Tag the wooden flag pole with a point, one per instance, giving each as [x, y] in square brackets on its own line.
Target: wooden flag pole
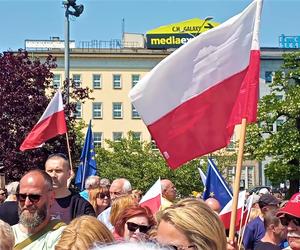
[237, 180]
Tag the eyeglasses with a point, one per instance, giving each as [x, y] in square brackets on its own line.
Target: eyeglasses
[287, 219]
[103, 195]
[180, 247]
[34, 198]
[132, 227]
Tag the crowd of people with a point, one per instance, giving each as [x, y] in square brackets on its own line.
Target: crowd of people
[42, 212]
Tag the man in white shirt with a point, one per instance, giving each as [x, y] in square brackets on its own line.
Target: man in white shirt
[35, 197]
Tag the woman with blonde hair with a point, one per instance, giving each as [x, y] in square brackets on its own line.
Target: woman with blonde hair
[83, 233]
[119, 204]
[99, 199]
[191, 224]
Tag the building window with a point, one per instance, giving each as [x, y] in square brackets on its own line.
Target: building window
[134, 113]
[153, 145]
[78, 112]
[117, 110]
[97, 139]
[117, 84]
[117, 136]
[97, 81]
[97, 110]
[56, 81]
[279, 124]
[136, 136]
[77, 80]
[134, 80]
[269, 76]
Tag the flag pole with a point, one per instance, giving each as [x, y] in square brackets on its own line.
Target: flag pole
[69, 152]
[237, 180]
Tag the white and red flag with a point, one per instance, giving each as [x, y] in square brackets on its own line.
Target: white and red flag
[51, 124]
[191, 101]
[152, 198]
[225, 213]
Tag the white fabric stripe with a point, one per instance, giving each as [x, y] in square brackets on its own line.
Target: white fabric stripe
[154, 191]
[196, 66]
[241, 202]
[55, 105]
[255, 42]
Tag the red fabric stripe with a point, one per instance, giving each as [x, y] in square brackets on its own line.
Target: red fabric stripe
[48, 128]
[225, 218]
[153, 203]
[204, 123]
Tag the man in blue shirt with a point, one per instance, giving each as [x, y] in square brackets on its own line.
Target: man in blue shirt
[255, 229]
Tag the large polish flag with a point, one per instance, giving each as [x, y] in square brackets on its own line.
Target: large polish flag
[225, 214]
[191, 101]
[51, 124]
[152, 198]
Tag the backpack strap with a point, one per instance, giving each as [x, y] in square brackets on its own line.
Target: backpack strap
[52, 226]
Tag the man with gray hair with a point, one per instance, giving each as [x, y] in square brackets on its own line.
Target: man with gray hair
[119, 187]
[169, 193]
[91, 182]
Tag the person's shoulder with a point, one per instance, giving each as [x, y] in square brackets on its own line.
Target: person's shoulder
[266, 246]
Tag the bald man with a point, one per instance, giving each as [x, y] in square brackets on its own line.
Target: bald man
[214, 204]
[35, 197]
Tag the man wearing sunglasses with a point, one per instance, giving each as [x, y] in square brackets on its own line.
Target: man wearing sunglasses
[289, 216]
[35, 229]
[67, 205]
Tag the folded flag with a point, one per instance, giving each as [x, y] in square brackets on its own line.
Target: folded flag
[51, 124]
[202, 176]
[152, 198]
[215, 185]
[87, 165]
[191, 101]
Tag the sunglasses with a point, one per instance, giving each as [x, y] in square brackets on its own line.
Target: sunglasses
[180, 247]
[103, 195]
[287, 219]
[132, 227]
[34, 198]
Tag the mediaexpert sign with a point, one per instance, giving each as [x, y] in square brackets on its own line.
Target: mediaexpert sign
[177, 34]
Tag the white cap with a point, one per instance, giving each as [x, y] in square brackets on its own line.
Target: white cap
[263, 191]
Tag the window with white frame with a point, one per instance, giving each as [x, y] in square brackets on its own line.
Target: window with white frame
[117, 84]
[117, 110]
[97, 81]
[77, 80]
[134, 80]
[56, 81]
[97, 139]
[78, 112]
[137, 136]
[97, 110]
[134, 113]
[117, 136]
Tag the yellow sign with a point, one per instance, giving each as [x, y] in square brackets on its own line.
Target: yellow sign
[176, 34]
[193, 26]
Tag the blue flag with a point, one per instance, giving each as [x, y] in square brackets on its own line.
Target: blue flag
[87, 165]
[216, 186]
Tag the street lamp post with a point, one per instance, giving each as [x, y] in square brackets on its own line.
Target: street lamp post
[77, 10]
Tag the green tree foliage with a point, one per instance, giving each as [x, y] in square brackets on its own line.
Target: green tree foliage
[280, 108]
[25, 91]
[142, 166]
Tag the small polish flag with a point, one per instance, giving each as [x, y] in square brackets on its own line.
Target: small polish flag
[152, 198]
[225, 214]
[51, 124]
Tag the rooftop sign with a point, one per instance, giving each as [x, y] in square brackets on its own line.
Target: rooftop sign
[177, 34]
[288, 42]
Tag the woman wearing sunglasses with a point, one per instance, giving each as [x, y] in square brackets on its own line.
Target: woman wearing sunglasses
[134, 223]
[99, 199]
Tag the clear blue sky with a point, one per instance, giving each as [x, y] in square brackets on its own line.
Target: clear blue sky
[101, 19]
